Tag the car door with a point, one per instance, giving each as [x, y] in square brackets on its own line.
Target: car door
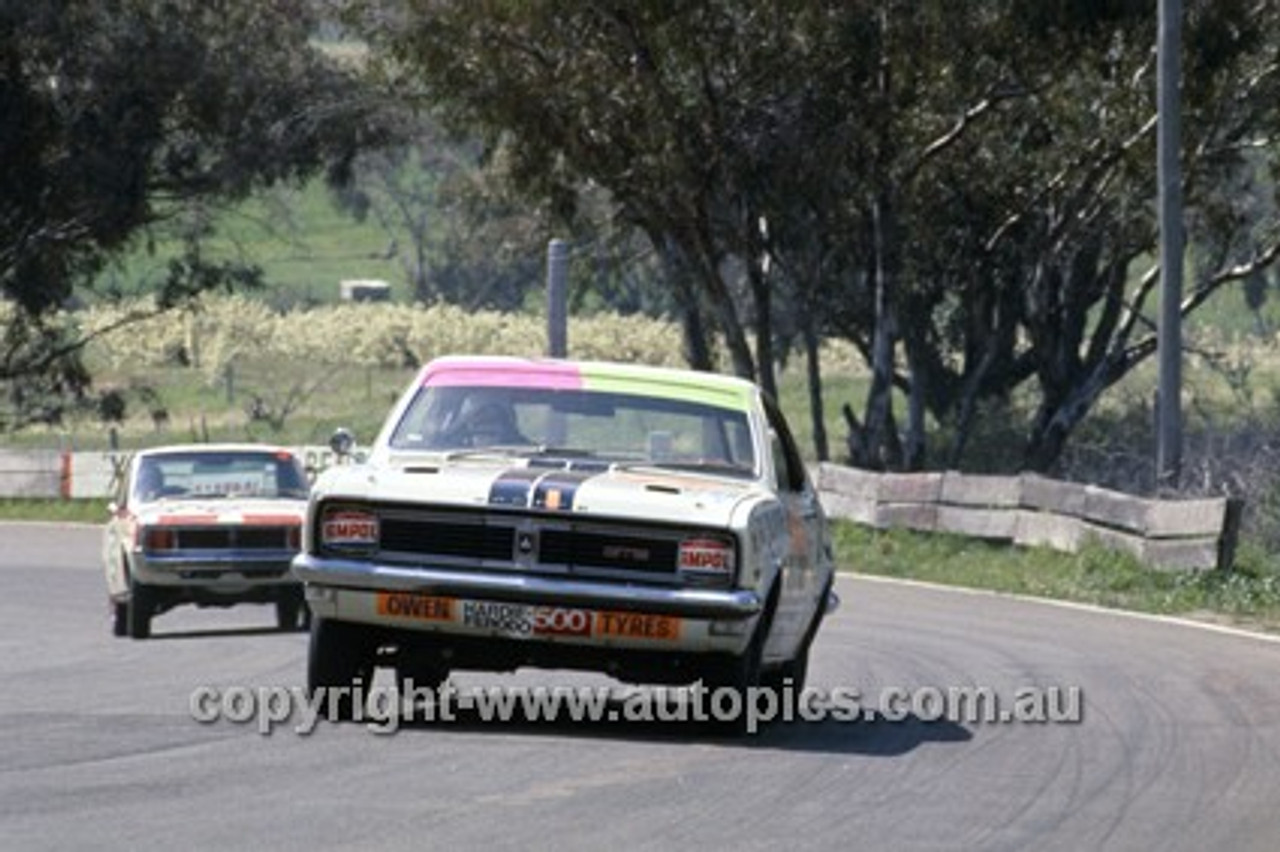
[805, 567]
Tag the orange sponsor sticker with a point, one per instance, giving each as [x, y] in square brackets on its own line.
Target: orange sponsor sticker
[637, 625]
[420, 607]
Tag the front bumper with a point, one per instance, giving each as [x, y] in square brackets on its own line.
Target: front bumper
[215, 570]
[549, 590]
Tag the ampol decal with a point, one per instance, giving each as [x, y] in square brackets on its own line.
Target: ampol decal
[706, 554]
[350, 528]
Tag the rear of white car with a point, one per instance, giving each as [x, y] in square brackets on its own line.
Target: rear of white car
[208, 525]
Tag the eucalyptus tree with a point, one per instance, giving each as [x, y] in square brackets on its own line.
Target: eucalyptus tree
[964, 190]
[671, 108]
[1050, 206]
[120, 119]
[1001, 239]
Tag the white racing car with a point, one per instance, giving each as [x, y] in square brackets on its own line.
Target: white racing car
[652, 524]
[205, 524]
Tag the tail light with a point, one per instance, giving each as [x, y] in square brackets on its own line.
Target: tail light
[160, 538]
[704, 558]
[293, 538]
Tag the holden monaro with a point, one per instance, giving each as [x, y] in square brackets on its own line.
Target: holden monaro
[656, 525]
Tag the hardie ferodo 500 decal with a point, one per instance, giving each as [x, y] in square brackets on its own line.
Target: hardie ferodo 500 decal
[527, 621]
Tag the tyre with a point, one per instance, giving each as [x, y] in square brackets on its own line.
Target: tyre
[291, 611]
[796, 670]
[119, 618]
[139, 610]
[339, 667]
[790, 675]
[742, 676]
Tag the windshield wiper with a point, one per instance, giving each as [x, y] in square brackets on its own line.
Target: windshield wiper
[502, 450]
[711, 467]
[563, 452]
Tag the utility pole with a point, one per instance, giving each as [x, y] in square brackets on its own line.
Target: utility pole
[557, 323]
[557, 298]
[1169, 176]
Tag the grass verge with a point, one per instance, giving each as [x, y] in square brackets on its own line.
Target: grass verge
[64, 511]
[1247, 595]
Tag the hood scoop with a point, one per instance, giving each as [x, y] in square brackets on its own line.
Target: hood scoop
[422, 468]
[662, 489]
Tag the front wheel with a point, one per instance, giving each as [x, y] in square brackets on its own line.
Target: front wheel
[119, 618]
[339, 667]
[291, 612]
[742, 676]
[139, 610]
[795, 671]
[790, 675]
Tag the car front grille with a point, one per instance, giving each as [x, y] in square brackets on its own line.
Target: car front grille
[608, 551]
[530, 542]
[442, 538]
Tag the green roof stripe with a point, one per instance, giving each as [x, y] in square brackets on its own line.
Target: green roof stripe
[706, 388]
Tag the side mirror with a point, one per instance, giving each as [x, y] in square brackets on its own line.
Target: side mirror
[342, 442]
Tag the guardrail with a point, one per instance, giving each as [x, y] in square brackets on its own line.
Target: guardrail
[1029, 509]
[53, 474]
[1026, 509]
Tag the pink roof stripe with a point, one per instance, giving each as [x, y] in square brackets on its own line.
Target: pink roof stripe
[502, 372]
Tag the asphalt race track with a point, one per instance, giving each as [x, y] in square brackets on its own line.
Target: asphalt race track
[1178, 746]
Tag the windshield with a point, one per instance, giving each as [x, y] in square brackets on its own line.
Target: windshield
[610, 425]
[219, 474]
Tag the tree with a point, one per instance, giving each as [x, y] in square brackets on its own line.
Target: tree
[1054, 288]
[964, 190]
[118, 119]
[657, 103]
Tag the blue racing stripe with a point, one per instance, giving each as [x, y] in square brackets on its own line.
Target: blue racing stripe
[513, 487]
[555, 491]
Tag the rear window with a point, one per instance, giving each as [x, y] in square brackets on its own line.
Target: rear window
[215, 475]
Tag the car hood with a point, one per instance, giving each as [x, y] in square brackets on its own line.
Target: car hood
[222, 511]
[631, 492]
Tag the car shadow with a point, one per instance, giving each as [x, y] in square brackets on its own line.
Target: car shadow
[869, 734]
[220, 632]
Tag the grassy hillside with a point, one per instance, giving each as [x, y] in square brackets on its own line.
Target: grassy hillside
[304, 244]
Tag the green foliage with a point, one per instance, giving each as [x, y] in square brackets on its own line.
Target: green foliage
[118, 120]
[306, 371]
[968, 183]
[1248, 594]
